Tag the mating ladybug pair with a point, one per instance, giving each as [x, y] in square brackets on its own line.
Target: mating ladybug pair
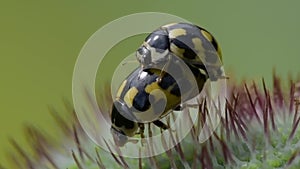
[151, 92]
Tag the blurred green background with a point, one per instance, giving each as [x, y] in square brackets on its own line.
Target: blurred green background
[40, 41]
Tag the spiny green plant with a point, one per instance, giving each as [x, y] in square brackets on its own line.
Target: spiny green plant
[259, 130]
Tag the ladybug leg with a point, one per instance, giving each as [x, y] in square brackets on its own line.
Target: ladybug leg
[162, 72]
[141, 132]
[183, 106]
[161, 125]
[142, 129]
[178, 108]
[149, 130]
[165, 67]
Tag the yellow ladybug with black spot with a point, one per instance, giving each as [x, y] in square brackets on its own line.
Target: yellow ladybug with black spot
[147, 95]
[193, 44]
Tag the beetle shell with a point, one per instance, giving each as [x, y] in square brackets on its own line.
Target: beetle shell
[142, 98]
[193, 44]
